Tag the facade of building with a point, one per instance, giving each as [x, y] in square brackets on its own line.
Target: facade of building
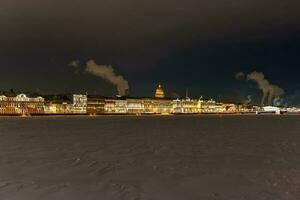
[135, 106]
[79, 104]
[110, 106]
[186, 106]
[21, 105]
[95, 105]
[120, 106]
[158, 106]
[59, 108]
[208, 106]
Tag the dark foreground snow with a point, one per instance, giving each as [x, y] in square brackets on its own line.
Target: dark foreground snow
[150, 158]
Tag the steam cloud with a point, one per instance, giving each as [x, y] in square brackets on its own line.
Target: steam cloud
[107, 72]
[270, 92]
[249, 99]
[288, 101]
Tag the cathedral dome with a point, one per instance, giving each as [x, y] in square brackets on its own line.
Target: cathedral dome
[159, 93]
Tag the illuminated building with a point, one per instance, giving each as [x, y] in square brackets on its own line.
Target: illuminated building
[208, 106]
[158, 106]
[59, 108]
[135, 106]
[79, 103]
[102, 105]
[159, 93]
[110, 106]
[95, 105]
[120, 106]
[21, 105]
[117, 106]
[230, 108]
[271, 109]
[50, 108]
[212, 106]
[187, 106]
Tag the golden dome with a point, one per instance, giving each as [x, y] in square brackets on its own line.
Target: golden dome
[159, 93]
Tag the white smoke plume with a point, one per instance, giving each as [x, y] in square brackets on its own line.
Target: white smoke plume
[289, 100]
[270, 92]
[107, 72]
[249, 99]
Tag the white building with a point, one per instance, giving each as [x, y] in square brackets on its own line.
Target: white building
[79, 103]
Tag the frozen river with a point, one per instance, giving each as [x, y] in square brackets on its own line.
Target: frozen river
[150, 158]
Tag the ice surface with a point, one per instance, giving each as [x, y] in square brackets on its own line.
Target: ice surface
[150, 158]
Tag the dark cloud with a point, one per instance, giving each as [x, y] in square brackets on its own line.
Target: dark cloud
[131, 22]
[181, 43]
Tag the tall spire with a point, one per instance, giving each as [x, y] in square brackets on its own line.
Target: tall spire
[187, 93]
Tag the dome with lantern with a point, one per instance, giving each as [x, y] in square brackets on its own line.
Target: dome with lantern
[159, 93]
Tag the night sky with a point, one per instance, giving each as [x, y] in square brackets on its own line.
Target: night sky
[194, 44]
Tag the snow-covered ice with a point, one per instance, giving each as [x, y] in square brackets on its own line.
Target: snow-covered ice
[150, 158]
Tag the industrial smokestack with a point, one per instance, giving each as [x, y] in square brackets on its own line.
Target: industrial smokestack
[270, 92]
[107, 72]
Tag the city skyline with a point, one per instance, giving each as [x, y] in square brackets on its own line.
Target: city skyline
[149, 100]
